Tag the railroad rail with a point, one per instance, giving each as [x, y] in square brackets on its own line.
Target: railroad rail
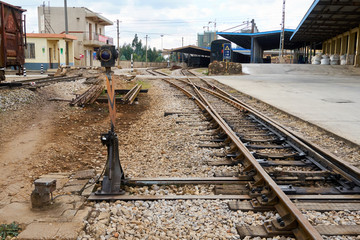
[154, 72]
[132, 94]
[186, 72]
[276, 168]
[261, 145]
[38, 82]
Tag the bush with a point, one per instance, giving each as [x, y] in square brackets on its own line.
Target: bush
[11, 230]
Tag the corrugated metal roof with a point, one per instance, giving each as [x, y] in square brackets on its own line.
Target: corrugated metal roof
[326, 19]
[191, 49]
[267, 40]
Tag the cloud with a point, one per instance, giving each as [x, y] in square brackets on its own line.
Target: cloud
[177, 19]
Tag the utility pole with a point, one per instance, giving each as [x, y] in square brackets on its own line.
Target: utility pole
[252, 26]
[215, 30]
[66, 32]
[162, 35]
[283, 31]
[118, 38]
[214, 22]
[182, 41]
[146, 50]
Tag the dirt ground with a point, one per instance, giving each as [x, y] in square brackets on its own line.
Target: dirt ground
[44, 136]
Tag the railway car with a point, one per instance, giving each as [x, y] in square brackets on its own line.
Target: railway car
[12, 40]
[217, 50]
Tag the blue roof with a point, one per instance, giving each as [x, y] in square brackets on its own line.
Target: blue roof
[268, 40]
[254, 34]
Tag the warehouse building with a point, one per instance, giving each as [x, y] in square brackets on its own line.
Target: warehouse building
[333, 25]
[260, 41]
[329, 27]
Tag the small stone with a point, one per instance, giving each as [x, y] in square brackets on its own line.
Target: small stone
[155, 187]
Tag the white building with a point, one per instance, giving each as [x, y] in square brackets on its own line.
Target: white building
[86, 25]
[48, 50]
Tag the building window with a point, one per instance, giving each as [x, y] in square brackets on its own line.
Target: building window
[30, 50]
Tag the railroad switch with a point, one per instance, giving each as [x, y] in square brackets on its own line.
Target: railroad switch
[114, 176]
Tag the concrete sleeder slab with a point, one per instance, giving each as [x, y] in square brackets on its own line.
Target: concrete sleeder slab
[328, 96]
[53, 230]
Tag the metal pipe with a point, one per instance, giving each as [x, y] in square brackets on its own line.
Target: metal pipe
[66, 32]
[66, 18]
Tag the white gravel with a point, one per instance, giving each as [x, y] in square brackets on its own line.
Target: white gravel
[14, 99]
[181, 219]
[345, 217]
[157, 146]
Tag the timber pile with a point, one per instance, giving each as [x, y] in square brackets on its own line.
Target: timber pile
[220, 68]
[88, 97]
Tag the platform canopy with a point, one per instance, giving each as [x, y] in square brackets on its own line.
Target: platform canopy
[191, 49]
[267, 40]
[326, 19]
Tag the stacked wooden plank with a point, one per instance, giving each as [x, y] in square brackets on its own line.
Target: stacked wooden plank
[88, 97]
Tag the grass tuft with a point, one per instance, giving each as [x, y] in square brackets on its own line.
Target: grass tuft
[11, 230]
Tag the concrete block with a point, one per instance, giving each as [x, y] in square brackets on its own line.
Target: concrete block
[52, 230]
[73, 189]
[73, 182]
[85, 174]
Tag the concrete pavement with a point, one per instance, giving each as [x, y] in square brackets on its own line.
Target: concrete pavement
[328, 96]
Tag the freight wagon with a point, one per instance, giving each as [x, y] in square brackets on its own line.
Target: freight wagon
[12, 28]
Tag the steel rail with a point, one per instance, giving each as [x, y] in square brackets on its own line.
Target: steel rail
[332, 162]
[27, 83]
[349, 172]
[154, 72]
[132, 94]
[292, 219]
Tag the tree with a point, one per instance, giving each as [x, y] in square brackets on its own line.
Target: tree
[126, 51]
[137, 45]
[138, 50]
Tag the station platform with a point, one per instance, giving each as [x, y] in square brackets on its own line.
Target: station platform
[327, 96]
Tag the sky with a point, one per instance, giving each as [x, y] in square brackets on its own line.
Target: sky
[177, 20]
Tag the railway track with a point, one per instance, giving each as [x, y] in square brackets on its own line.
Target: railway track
[154, 72]
[294, 165]
[278, 171]
[38, 82]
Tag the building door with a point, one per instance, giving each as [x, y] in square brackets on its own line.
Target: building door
[91, 58]
[90, 31]
[86, 57]
[50, 58]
